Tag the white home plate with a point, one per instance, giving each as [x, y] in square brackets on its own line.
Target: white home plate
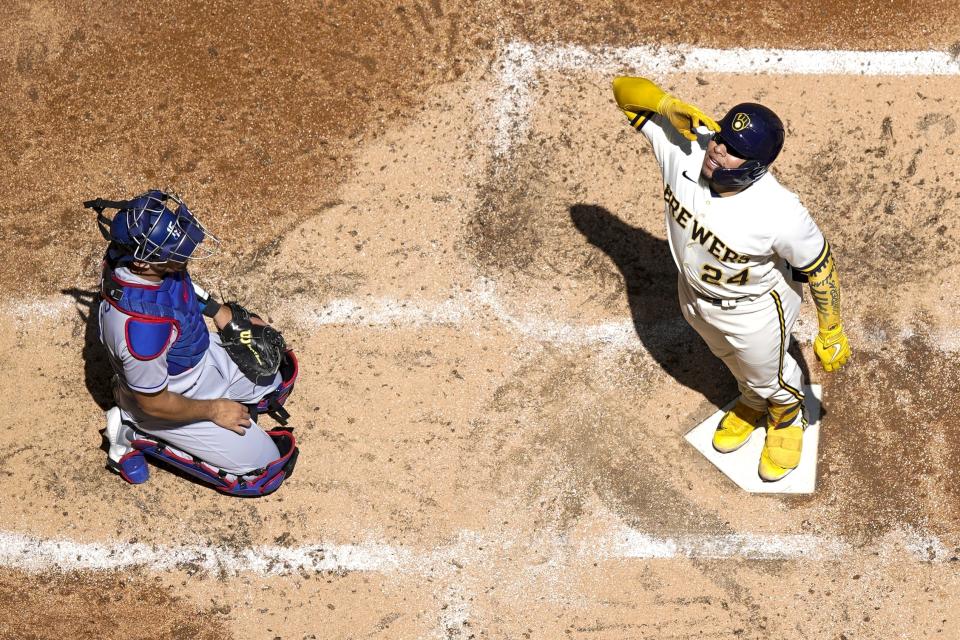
[741, 465]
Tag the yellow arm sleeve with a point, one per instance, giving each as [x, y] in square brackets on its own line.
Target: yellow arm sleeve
[830, 344]
[825, 288]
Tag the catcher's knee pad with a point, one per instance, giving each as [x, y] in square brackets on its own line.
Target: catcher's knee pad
[258, 482]
[272, 403]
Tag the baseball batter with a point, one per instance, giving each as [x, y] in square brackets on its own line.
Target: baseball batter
[742, 243]
[181, 396]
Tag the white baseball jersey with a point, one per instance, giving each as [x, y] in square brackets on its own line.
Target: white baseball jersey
[729, 248]
[729, 252]
[214, 376]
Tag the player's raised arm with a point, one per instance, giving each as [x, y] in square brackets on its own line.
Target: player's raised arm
[639, 97]
[830, 345]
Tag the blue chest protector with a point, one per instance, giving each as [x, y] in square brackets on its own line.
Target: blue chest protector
[155, 309]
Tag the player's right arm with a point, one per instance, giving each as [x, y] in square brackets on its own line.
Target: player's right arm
[638, 98]
[141, 348]
[167, 405]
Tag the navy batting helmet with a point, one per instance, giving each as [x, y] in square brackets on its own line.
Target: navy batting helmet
[753, 132]
[155, 227]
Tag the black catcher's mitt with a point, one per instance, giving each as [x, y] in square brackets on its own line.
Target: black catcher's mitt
[256, 349]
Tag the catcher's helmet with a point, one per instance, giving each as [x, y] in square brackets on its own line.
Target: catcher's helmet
[750, 131]
[154, 227]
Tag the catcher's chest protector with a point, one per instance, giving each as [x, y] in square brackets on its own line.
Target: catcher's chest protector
[170, 301]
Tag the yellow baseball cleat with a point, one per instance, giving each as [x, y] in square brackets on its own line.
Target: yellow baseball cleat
[735, 427]
[781, 451]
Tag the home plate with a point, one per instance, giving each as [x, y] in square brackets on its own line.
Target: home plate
[741, 465]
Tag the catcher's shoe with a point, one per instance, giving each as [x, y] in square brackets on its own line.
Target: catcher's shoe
[122, 457]
[735, 427]
[132, 467]
[782, 447]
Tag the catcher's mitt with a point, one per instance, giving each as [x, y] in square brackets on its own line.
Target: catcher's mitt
[256, 349]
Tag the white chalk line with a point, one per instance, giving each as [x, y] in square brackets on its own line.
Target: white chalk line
[521, 62]
[464, 308]
[469, 308]
[34, 554]
[472, 309]
[26, 312]
[37, 554]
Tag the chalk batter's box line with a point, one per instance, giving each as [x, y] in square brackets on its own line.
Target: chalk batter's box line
[520, 63]
[31, 553]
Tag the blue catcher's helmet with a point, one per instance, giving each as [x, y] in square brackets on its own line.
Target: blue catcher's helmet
[753, 132]
[157, 227]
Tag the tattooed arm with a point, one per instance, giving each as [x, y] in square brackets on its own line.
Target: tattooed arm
[830, 345]
[825, 288]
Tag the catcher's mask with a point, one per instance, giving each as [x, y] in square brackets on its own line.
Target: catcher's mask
[155, 227]
[753, 132]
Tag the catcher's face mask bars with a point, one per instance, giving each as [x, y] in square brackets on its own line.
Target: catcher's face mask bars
[155, 232]
[175, 234]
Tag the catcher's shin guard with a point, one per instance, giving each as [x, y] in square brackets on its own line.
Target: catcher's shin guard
[258, 482]
[272, 403]
[784, 442]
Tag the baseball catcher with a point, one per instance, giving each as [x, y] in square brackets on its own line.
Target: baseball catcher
[742, 243]
[184, 395]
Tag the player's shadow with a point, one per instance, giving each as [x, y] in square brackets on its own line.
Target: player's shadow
[96, 367]
[650, 278]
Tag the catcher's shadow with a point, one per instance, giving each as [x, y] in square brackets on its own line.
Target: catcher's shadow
[96, 367]
[650, 278]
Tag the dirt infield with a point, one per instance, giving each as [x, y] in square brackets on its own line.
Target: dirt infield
[496, 376]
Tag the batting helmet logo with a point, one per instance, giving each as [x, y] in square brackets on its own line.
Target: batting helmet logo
[754, 132]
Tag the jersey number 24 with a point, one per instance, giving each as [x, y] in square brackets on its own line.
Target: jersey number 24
[712, 275]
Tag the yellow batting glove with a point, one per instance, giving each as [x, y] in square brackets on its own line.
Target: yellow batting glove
[832, 348]
[684, 117]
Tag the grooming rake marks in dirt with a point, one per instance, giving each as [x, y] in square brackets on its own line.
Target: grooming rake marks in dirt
[548, 485]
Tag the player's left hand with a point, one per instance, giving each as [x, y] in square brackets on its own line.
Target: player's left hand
[832, 348]
[255, 347]
[225, 316]
[685, 117]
